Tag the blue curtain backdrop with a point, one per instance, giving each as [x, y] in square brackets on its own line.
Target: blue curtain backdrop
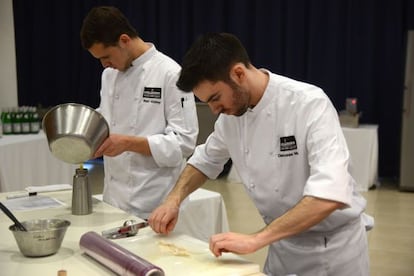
[350, 48]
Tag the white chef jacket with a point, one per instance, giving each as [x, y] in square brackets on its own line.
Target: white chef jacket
[288, 146]
[145, 101]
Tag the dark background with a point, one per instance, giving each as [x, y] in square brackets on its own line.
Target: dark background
[350, 48]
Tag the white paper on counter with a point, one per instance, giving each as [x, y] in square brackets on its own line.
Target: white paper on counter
[49, 188]
[32, 203]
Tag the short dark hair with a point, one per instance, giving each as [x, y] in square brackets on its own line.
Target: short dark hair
[105, 25]
[210, 58]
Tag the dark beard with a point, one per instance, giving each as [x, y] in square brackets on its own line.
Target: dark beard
[241, 111]
[240, 98]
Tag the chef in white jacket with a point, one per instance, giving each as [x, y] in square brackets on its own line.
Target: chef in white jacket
[153, 125]
[285, 141]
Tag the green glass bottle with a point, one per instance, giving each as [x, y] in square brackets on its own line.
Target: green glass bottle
[25, 120]
[7, 122]
[16, 124]
[34, 120]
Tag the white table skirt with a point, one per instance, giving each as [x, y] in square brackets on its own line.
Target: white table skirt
[363, 148]
[25, 160]
[203, 216]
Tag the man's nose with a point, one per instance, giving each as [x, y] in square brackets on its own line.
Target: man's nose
[105, 64]
[215, 108]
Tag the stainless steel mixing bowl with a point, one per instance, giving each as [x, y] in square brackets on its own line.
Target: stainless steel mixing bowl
[42, 238]
[74, 132]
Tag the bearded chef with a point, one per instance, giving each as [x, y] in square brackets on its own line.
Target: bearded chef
[153, 124]
[285, 141]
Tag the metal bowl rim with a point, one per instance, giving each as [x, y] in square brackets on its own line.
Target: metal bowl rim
[75, 104]
[66, 223]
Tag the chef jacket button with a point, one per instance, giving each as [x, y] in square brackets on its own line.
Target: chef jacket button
[252, 186]
[117, 96]
[112, 178]
[113, 124]
[246, 151]
[276, 190]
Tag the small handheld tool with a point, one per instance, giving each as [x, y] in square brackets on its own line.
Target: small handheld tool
[130, 228]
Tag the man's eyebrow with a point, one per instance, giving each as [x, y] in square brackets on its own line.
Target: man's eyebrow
[211, 97]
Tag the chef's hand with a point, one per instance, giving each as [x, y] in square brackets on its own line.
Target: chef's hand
[163, 219]
[233, 242]
[114, 145]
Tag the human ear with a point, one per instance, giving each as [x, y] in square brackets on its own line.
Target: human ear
[237, 73]
[123, 39]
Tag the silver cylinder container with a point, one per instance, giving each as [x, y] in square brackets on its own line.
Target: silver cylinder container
[81, 193]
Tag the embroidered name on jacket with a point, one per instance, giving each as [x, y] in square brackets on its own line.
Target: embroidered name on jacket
[152, 94]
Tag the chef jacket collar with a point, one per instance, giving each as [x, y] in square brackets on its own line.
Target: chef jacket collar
[147, 55]
[266, 97]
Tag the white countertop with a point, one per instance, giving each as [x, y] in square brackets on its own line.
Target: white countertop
[145, 244]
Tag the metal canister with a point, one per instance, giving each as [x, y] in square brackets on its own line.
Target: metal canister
[81, 193]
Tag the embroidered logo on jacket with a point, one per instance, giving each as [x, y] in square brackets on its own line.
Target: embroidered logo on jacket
[288, 143]
[288, 146]
[152, 94]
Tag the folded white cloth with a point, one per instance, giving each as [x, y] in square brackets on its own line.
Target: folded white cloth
[49, 188]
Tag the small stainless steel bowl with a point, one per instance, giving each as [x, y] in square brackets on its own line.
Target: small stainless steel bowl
[42, 238]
